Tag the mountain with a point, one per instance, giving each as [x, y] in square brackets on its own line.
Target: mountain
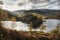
[41, 11]
[49, 13]
[6, 15]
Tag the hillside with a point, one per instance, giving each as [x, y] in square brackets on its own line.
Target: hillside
[49, 14]
[55, 14]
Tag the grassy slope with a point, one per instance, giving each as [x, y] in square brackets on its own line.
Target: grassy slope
[7, 34]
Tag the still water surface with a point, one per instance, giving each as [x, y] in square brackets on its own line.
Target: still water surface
[50, 24]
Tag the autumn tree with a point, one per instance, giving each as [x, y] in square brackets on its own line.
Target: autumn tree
[13, 19]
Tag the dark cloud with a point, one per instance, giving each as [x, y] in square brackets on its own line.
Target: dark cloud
[1, 2]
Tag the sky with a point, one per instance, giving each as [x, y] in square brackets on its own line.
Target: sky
[13, 5]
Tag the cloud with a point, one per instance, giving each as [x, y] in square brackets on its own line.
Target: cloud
[30, 4]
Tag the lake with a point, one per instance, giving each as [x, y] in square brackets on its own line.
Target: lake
[50, 25]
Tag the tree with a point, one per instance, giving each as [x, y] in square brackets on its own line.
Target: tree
[53, 31]
[56, 29]
[13, 19]
[42, 28]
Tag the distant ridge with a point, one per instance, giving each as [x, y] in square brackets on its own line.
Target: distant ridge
[40, 10]
[45, 12]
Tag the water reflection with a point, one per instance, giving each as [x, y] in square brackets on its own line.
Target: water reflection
[50, 24]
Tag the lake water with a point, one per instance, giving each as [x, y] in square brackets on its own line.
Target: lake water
[50, 24]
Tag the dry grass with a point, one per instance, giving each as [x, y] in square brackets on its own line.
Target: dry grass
[6, 34]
